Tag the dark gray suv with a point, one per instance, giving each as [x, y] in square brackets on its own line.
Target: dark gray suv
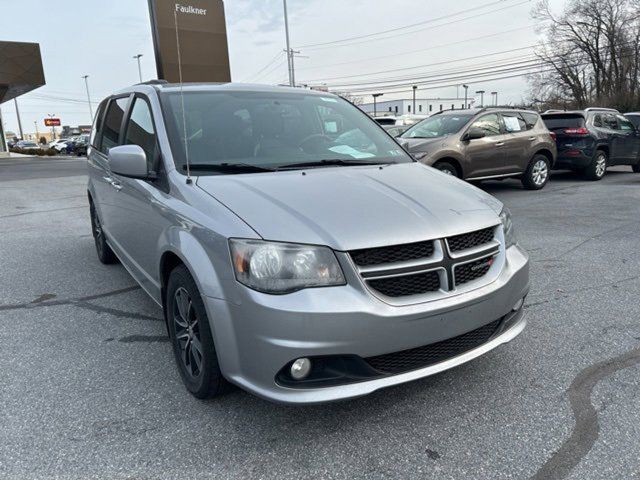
[486, 143]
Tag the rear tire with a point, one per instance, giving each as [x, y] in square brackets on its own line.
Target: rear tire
[537, 174]
[191, 337]
[105, 254]
[598, 167]
[447, 167]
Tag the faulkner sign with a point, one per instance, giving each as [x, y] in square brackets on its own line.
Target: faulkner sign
[202, 35]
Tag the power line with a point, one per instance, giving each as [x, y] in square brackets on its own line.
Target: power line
[425, 22]
[269, 63]
[470, 17]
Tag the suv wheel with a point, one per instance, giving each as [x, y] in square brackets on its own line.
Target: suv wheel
[448, 168]
[105, 254]
[598, 166]
[191, 337]
[537, 174]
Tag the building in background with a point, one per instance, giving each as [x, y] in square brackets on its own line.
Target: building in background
[20, 72]
[424, 106]
[68, 131]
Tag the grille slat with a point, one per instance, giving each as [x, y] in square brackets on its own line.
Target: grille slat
[396, 253]
[420, 357]
[407, 285]
[471, 271]
[470, 240]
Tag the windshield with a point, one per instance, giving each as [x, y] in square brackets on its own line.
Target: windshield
[438, 126]
[272, 130]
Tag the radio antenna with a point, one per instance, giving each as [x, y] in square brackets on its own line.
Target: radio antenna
[184, 118]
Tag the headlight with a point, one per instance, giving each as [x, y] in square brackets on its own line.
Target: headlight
[419, 155]
[507, 225]
[273, 267]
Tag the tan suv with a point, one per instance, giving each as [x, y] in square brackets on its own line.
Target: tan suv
[483, 144]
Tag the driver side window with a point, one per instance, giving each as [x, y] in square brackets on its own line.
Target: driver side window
[490, 124]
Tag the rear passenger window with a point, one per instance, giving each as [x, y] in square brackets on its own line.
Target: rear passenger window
[609, 121]
[530, 118]
[113, 123]
[513, 122]
[140, 130]
[489, 123]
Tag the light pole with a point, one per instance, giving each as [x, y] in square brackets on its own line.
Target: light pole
[137, 57]
[466, 88]
[415, 87]
[19, 121]
[375, 97]
[481, 92]
[35, 124]
[292, 76]
[495, 98]
[53, 129]
[86, 84]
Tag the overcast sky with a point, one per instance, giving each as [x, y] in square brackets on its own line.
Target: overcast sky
[99, 38]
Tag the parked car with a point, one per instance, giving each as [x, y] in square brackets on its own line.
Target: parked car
[80, 146]
[634, 117]
[296, 249]
[395, 130]
[593, 139]
[59, 141]
[405, 120]
[485, 143]
[26, 144]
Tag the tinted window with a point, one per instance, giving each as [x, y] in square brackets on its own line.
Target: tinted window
[625, 124]
[562, 121]
[635, 119]
[97, 127]
[530, 118]
[489, 123]
[513, 122]
[272, 129]
[609, 121]
[112, 124]
[437, 126]
[140, 130]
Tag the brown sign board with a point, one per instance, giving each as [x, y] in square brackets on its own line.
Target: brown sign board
[202, 36]
[52, 122]
[20, 69]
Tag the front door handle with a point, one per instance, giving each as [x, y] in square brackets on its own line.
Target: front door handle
[499, 144]
[532, 138]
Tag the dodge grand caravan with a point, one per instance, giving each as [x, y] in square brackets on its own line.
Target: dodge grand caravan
[296, 250]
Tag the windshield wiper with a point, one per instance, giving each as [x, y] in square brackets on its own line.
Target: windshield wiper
[330, 162]
[228, 167]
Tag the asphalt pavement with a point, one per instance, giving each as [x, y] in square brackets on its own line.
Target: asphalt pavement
[89, 389]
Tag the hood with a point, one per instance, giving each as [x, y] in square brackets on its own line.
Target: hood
[421, 144]
[348, 208]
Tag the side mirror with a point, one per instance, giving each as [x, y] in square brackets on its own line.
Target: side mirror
[474, 134]
[128, 161]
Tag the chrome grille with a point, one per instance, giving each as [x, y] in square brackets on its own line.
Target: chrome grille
[424, 270]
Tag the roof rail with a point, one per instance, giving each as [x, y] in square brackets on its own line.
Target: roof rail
[153, 82]
[604, 109]
[553, 110]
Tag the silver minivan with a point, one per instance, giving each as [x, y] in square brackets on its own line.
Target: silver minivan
[296, 249]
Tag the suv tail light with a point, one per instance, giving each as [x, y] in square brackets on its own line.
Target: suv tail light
[576, 131]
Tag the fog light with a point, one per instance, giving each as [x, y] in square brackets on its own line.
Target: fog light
[518, 305]
[300, 368]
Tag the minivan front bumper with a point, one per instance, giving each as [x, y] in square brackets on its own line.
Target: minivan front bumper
[259, 334]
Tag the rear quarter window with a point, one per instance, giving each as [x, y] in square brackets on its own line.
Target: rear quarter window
[558, 122]
[530, 118]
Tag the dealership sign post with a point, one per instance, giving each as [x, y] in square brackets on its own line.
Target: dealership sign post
[198, 27]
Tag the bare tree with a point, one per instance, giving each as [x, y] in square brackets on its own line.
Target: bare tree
[590, 54]
[351, 98]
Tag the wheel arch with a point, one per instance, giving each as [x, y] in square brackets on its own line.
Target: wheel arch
[453, 161]
[546, 153]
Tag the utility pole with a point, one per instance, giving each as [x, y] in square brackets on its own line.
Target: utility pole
[86, 84]
[137, 57]
[375, 97]
[495, 98]
[292, 76]
[466, 89]
[35, 124]
[481, 92]
[19, 121]
[53, 129]
[415, 87]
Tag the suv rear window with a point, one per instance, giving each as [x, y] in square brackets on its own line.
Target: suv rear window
[558, 122]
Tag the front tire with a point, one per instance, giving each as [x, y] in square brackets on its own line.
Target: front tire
[537, 174]
[598, 167]
[190, 334]
[447, 167]
[105, 254]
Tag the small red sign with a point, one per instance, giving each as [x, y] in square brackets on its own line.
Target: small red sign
[52, 122]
